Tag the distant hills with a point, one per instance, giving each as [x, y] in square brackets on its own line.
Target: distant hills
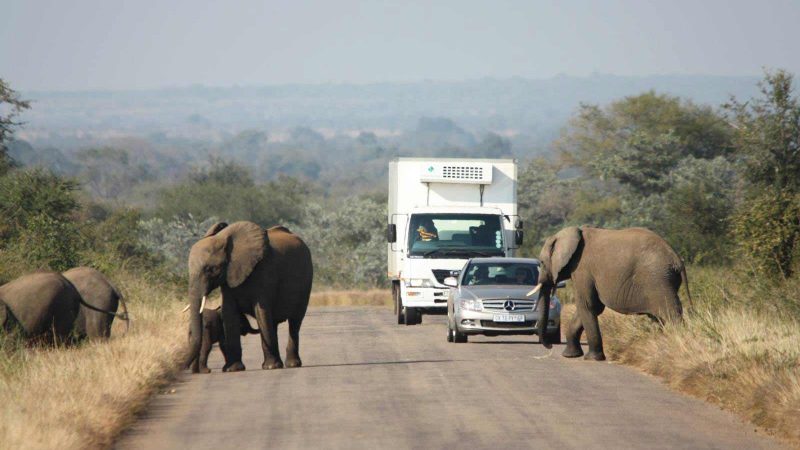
[530, 110]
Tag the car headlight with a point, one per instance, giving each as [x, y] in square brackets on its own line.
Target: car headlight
[472, 304]
[419, 282]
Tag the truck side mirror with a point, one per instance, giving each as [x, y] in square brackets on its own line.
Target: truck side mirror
[391, 233]
[518, 237]
[451, 281]
[519, 224]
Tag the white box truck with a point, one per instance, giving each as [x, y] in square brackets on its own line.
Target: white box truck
[443, 211]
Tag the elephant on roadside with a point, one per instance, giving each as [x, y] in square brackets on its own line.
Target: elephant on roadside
[44, 305]
[213, 333]
[96, 290]
[632, 271]
[263, 273]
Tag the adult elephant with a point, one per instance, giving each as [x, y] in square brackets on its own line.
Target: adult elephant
[264, 273]
[96, 290]
[43, 304]
[632, 271]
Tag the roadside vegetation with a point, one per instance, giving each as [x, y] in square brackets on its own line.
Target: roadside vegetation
[721, 184]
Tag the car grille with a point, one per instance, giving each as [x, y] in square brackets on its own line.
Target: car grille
[509, 305]
[441, 274]
[493, 324]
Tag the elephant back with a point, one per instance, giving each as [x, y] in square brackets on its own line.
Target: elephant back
[41, 302]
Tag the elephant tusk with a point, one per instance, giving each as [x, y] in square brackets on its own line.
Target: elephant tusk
[534, 290]
[186, 308]
[203, 304]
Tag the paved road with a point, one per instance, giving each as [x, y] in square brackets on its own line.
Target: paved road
[368, 383]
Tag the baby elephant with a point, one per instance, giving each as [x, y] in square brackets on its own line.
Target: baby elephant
[213, 332]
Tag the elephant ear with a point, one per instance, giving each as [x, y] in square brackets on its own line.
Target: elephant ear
[216, 228]
[564, 244]
[247, 243]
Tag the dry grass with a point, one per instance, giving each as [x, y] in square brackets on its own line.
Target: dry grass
[372, 297]
[735, 349]
[82, 397]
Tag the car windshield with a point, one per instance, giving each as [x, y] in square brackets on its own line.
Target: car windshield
[455, 235]
[504, 273]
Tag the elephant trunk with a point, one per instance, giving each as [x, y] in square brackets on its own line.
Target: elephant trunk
[196, 301]
[544, 314]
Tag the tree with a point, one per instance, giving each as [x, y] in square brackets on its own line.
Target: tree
[767, 140]
[109, 173]
[638, 140]
[11, 106]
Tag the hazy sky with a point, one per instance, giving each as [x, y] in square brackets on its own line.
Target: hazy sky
[112, 44]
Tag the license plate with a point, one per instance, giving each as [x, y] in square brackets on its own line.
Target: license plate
[509, 318]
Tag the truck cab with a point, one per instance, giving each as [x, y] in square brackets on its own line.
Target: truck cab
[441, 213]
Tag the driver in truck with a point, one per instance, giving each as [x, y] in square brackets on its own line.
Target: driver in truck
[427, 231]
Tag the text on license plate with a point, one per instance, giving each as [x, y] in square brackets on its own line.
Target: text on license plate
[509, 318]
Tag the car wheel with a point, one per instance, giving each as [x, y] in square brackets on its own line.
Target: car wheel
[459, 337]
[554, 337]
[412, 316]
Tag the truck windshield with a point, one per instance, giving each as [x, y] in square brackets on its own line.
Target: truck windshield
[455, 235]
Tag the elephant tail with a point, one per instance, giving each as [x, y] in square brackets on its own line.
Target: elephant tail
[125, 316]
[122, 316]
[685, 280]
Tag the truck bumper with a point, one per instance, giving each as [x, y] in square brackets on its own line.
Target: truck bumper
[429, 298]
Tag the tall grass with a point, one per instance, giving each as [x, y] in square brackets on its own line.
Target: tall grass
[738, 348]
[83, 396]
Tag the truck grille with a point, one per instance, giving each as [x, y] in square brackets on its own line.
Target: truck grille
[509, 305]
[441, 274]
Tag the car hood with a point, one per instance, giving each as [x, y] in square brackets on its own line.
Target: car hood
[519, 292]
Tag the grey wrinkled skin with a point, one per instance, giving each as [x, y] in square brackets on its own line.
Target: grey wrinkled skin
[213, 333]
[263, 273]
[44, 305]
[96, 290]
[631, 271]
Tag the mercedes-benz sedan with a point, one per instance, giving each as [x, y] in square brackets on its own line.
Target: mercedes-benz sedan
[489, 297]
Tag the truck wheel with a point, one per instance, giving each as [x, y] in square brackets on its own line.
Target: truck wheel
[413, 317]
[459, 337]
[398, 306]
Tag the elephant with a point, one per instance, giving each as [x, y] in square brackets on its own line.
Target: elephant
[43, 304]
[213, 332]
[263, 273]
[96, 290]
[632, 271]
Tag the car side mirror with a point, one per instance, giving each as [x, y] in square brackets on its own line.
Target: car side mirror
[391, 233]
[451, 281]
[561, 284]
[518, 237]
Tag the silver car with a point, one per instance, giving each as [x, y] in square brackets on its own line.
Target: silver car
[489, 297]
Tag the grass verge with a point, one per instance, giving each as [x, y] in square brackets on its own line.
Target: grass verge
[739, 348]
[83, 396]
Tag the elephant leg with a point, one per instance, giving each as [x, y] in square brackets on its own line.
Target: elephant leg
[588, 308]
[233, 342]
[205, 349]
[195, 365]
[269, 337]
[573, 349]
[293, 347]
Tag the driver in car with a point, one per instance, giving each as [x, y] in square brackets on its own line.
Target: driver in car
[523, 276]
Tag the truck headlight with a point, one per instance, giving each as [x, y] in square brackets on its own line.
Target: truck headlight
[472, 304]
[419, 282]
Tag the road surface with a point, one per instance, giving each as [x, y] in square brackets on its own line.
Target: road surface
[369, 383]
